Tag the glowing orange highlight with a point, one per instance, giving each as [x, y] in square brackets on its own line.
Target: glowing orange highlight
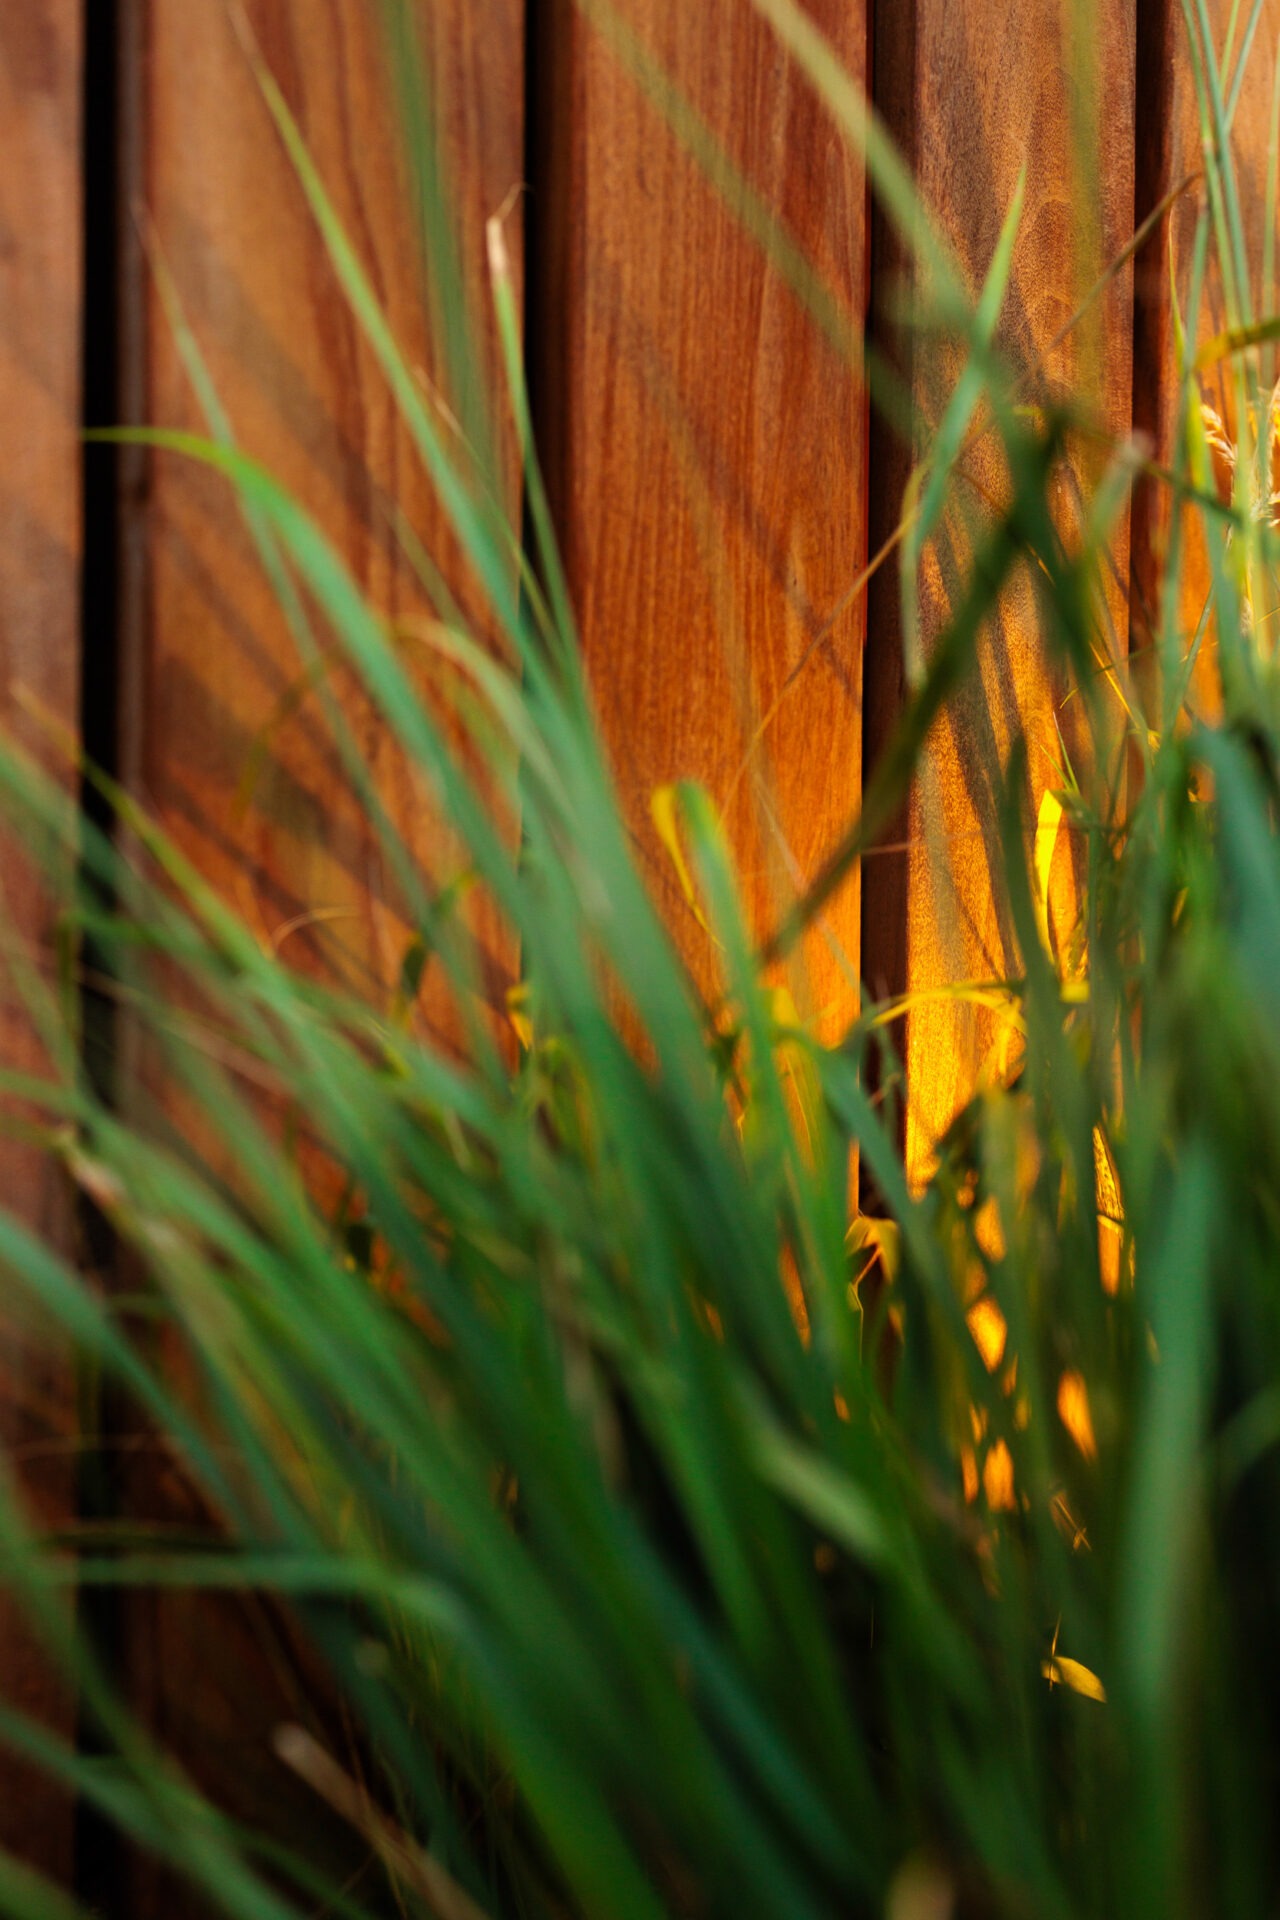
[990, 1333]
[997, 1479]
[1073, 1411]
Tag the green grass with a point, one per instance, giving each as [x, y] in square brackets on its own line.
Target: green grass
[622, 1496]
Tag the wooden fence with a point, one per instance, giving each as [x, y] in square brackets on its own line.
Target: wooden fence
[717, 476]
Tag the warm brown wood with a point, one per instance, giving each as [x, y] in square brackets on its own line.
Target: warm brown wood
[212, 660]
[1169, 149]
[1250, 138]
[706, 443]
[210, 663]
[974, 93]
[40, 280]
[1250, 130]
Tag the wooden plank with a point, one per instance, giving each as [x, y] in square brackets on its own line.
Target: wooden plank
[1169, 150]
[973, 94]
[705, 444]
[1250, 129]
[40, 283]
[210, 665]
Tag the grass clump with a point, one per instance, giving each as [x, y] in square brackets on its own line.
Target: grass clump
[678, 1541]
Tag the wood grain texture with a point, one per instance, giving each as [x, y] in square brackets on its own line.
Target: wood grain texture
[1169, 149]
[974, 94]
[1250, 129]
[40, 308]
[212, 661]
[211, 667]
[706, 444]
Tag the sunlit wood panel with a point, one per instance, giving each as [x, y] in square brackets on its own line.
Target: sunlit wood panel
[974, 95]
[1170, 154]
[706, 439]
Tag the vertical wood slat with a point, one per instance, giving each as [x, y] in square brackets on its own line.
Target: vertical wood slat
[705, 444]
[40, 310]
[972, 94]
[1170, 150]
[1249, 139]
[209, 659]
[213, 662]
